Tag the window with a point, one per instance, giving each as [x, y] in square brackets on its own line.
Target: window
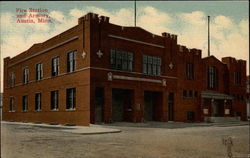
[25, 103]
[54, 100]
[38, 101]
[151, 65]
[190, 93]
[71, 61]
[121, 60]
[190, 116]
[70, 100]
[12, 79]
[211, 77]
[11, 106]
[55, 66]
[184, 93]
[25, 75]
[39, 71]
[241, 98]
[237, 78]
[195, 94]
[190, 71]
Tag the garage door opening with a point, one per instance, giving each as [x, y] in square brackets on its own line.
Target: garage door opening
[152, 106]
[122, 100]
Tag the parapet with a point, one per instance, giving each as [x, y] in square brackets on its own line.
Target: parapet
[93, 16]
[170, 36]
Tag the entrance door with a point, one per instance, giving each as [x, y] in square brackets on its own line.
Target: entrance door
[170, 106]
[99, 100]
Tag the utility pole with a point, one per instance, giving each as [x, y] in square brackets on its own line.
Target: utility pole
[208, 34]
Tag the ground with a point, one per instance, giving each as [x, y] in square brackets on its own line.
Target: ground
[135, 141]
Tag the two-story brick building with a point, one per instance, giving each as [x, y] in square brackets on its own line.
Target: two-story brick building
[101, 72]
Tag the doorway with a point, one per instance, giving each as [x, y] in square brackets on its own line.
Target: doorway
[99, 101]
[122, 100]
[170, 106]
[152, 106]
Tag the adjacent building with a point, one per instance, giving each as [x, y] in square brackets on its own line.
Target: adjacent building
[101, 72]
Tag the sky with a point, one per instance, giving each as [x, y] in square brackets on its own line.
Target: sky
[229, 23]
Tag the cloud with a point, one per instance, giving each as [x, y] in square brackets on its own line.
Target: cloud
[244, 27]
[154, 20]
[223, 22]
[196, 17]
[57, 15]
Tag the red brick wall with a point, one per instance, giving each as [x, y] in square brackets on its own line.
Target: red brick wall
[80, 80]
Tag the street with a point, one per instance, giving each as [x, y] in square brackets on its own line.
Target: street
[25, 141]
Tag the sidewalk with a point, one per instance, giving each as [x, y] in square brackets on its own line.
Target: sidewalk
[172, 125]
[84, 130]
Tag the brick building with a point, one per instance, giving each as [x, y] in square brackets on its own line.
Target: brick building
[100, 72]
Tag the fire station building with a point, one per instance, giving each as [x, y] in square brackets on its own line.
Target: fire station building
[101, 72]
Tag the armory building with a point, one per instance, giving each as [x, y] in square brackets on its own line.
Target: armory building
[100, 72]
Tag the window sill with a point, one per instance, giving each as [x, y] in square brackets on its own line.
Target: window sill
[70, 109]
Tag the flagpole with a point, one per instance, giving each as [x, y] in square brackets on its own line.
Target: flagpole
[208, 34]
[135, 13]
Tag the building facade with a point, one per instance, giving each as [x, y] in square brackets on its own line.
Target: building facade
[101, 72]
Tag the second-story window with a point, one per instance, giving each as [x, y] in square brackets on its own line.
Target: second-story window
[25, 75]
[151, 65]
[38, 102]
[55, 66]
[237, 78]
[211, 77]
[121, 60]
[71, 61]
[39, 71]
[190, 71]
[12, 79]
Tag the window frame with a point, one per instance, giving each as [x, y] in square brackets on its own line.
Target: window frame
[151, 65]
[55, 66]
[71, 61]
[39, 71]
[184, 93]
[38, 105]
[71, 104]
[212, 77]
[121, 60]
[237, 78]
[54, 104]
[190, 71]
[25, 106]
[12, 104]
[11, 79]
[25, 75]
